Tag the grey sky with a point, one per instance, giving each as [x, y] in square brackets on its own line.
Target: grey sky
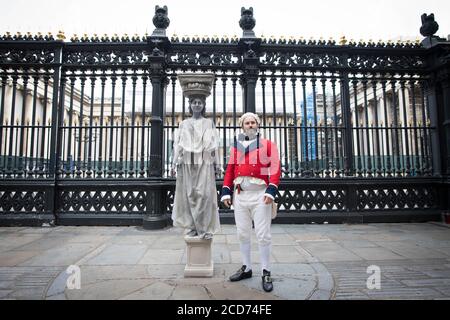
[376, 19]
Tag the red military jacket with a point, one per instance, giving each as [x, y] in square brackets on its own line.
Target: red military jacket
[260, 160]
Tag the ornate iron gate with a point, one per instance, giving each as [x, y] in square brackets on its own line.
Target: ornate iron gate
[87, 125]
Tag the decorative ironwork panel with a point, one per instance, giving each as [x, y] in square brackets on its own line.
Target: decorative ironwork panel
[385, 63]
[104, 58]
[30, 56]
[23, 201]
[397, 198]
[306, 60]
[211, 59]
[99, 201]
[311, 199]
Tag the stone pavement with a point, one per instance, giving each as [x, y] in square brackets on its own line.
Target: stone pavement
[309, 262]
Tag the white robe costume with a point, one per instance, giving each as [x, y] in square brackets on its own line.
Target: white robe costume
[195, 155]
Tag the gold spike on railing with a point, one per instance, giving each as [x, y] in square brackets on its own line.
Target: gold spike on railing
[60, 36]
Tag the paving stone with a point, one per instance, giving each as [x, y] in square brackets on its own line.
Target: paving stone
[169, 242]
[57, 297]
[433, 243]
[44, 243]
[326, 283]
[189, 293]
[219, 239]
[384, 237]
[15, 241]
[36, 230]
[285, 254]
[435, 235]
[320, 295]
[4, 293]
[167, 271]
[404, 275]
[138, 231]
[438, 273]
[293, 270]
[196, 281]
[61, 256]
[237, 291]
[350, 244]
[329, 251]
[375, 253]
[28, 293]
[154, 291]
[344, 236]
[107, 289]
[6, 284]
[417, 252]
[405, 293]
[310, 237]
[283, 239]
[119, 254]
[274, 229]
[445, 290]
[426, 282]
[90, 239]
[13, 258]
[351, 296]
[161, 256]
[221, 253]
[445, 250]
[285, 287]
[91, 274]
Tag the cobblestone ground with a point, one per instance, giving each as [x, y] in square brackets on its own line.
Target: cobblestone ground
[309, 262]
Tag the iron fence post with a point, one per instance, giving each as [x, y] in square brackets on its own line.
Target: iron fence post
[54, 141]
[55, 104]
[249, 46]
[155, 217]
[250, 77]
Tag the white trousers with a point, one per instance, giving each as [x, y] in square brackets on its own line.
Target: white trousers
[249, 205]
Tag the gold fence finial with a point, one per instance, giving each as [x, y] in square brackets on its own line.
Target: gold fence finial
[343, 41]
[60, 36]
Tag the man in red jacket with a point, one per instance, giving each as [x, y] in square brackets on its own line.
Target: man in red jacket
[252, 178]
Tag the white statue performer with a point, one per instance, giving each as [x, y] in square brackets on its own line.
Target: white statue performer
[195, 157]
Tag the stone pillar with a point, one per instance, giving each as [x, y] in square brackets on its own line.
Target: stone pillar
[199, 262]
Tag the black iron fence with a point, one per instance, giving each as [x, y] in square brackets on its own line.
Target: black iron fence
[87, 126]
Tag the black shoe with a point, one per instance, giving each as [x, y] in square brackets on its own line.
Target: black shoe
[241, 274]
[267, 281]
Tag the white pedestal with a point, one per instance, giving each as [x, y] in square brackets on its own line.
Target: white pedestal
[199, 261]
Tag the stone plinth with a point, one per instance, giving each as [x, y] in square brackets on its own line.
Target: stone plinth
[199, 261]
